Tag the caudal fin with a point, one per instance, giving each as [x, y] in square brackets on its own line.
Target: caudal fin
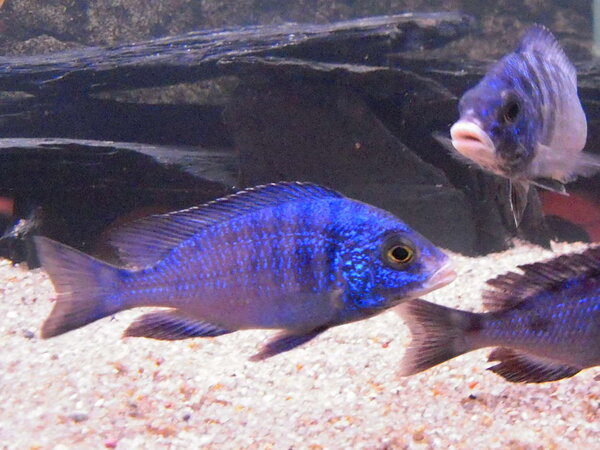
[438, 334]
[84, 287]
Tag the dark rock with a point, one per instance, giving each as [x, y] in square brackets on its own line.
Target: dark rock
[39, 45]
[72, 191]
[63, 20]
[328, 135]
[197, 55]
[100, 21]
[351, 105]
[99, 119]
[564, 231]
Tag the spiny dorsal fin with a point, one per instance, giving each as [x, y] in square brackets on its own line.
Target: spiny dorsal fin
[540, 39]
[147, 240]
[524, 368]
[511, 289]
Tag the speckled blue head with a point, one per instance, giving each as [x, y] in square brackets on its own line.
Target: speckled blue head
[518, 108]
[383, 261]
[506, 106]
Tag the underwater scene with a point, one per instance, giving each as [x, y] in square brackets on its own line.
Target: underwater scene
[252, 224]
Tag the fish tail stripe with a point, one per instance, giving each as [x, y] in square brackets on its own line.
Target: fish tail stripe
[541, 93]
[550, 85]
[87, 289]
[438, 334]
[306, 272]
[277, 251]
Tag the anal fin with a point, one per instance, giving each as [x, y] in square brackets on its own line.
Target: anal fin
[285, 341]
[171, 326]
[525, 368]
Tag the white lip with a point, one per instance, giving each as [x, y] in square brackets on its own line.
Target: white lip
[443, 276]
[472, 142]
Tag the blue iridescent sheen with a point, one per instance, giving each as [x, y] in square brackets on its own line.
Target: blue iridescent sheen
[291, 256]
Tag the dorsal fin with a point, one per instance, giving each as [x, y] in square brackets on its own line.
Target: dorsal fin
[510, 289]
[147, 240]
[540, 39]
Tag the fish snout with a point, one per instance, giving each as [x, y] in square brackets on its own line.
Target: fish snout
[469, 139]
[443, 276]
[440, 278]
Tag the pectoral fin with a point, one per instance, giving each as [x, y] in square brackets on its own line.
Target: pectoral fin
[550, 185]
[282, 342]
[171, 326]
[518, 192]
[525, 368]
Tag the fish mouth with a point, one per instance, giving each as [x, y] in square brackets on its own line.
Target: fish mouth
[472, 142]
[441, 277]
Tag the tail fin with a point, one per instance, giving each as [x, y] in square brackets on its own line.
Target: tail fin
[438, 332]
[84, 286]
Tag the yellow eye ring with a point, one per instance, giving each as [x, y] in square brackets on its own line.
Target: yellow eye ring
[400, 254]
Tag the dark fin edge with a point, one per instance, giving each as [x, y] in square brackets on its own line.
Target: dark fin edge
[84, 287]
[170, 326]
[524, 368]
[511, 289]
[285, 341]
[437, 334]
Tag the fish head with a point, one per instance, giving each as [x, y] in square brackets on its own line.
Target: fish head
[499, 125]
[396, 264]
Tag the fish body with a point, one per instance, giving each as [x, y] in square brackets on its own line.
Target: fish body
[545, 322]
[290, 256]
[524, 120]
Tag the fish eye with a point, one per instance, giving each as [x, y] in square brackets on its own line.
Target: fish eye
[400, 254]
[510, 111]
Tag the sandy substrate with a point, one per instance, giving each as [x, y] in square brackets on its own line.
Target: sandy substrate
[91, 389]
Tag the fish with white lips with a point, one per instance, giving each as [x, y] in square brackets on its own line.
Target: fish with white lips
[524, 120]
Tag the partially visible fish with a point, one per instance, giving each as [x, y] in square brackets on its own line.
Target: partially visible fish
[546, 322]
[291, 256]
[524, 121]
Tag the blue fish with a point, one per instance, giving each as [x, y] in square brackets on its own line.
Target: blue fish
[524, 120]
[544, 321]
[291, 256]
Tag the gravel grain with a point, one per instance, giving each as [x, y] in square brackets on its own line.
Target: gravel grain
[91, 389]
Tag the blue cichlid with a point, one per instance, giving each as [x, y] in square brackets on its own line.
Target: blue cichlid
[291, 256]
[546, 322]
[524, 121]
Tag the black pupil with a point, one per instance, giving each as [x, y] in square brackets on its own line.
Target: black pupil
[400, 253]
[511, 111]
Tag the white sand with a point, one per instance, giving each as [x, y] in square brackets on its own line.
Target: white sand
[92, 389]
